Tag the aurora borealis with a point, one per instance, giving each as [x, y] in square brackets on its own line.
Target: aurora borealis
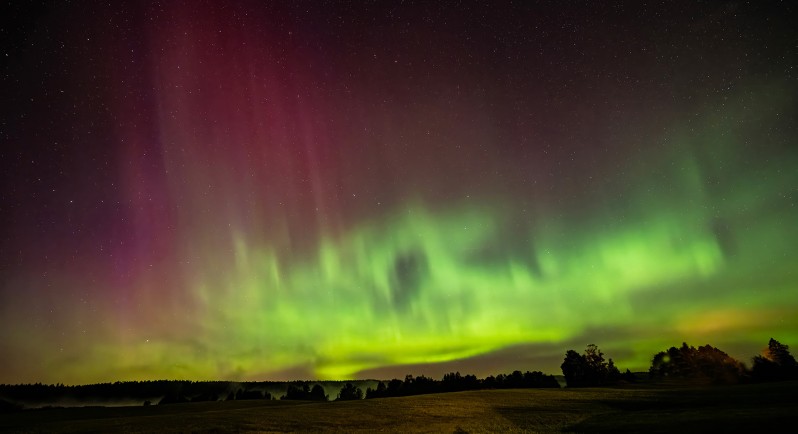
[295, 190]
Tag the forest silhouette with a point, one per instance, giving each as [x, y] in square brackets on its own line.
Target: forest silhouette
[705, 365]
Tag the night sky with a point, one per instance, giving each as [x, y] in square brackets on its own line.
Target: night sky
[249, 190]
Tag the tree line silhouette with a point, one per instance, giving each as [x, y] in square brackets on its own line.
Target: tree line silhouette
[705, 364]
[164, 392]
[305, 393]
[454, 382]
[590, 369]
[709, 364]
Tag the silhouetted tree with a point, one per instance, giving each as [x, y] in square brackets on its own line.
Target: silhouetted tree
[514, 381]
[163, 391]
[419, 385]
[452, 381]
[597, 369]
[705, 363]
[776, 363]
[589, 369]
[305, 393]
[613, 374]
[296, 393]
[501, 380]
[395, 387]
[350, 392]
[379, 392]
[317, 394]
[538, 379]
[780, 353]
[574, 369]
[470, 382]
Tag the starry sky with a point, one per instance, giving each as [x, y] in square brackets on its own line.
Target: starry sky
[251, 190]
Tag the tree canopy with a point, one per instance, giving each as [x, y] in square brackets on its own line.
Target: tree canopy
[590, 369]
[349, 393]
[705, 363]
[775, 363]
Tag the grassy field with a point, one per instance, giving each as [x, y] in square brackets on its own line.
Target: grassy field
[748, 408]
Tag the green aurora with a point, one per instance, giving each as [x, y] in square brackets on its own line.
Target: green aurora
[346, 238]
[677, 258]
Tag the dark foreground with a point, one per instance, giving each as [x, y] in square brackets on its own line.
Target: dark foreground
[747, 408]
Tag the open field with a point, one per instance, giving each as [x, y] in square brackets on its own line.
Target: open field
[750, 408]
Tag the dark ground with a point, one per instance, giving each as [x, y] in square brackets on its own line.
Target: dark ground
[675, 408]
